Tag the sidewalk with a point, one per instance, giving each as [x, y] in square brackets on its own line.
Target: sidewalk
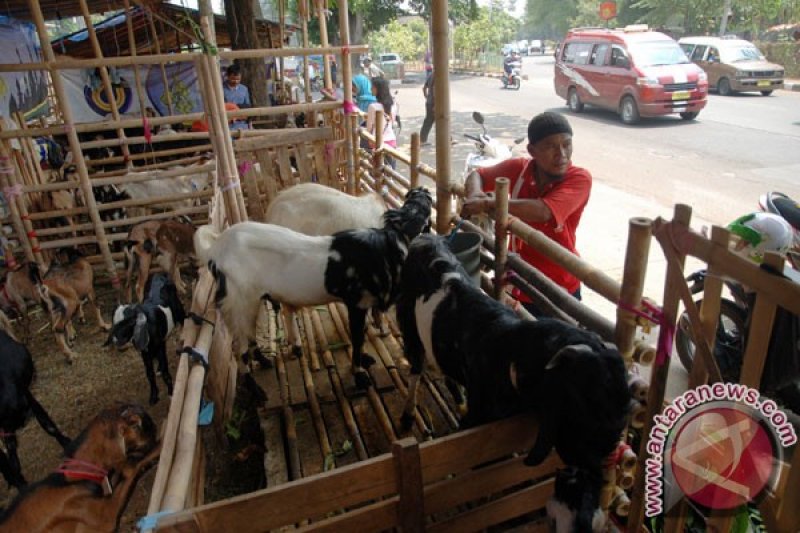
[791, 85]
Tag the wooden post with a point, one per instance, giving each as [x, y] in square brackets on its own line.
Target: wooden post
[501, 234]
[658, 379]
[74, 143]
[351, 141]
[136, 75]
[408, 471]
[440, 26]
[414, 170]
[306, 59]
[351, 132]
[636, 254]
[319, 6]
[154, 35]
[109, 89]
[377, 154]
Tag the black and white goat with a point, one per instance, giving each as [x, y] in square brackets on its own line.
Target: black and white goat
[17, 403]
[568, 376]
[147, 326]
[361, 268]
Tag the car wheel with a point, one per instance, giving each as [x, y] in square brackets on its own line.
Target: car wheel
[574, 101]
[766, 93]
[724, 87]
[628, 111]
[689, 115]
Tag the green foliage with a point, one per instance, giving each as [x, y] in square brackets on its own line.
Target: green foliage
[487, 33]
[409, 40]
[549, 19]
[459, 11]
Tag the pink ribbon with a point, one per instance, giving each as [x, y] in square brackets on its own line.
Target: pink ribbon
[245, 167]
[330, 150]
[349, 107]
[148, 133]
[666, 331]
[14, 191]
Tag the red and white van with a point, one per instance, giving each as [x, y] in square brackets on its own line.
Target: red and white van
[633, 71]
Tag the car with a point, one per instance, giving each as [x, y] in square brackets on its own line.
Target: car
[634, 71]
[733, 65]
[392, 66]
[522, 46]
[508, 48]
[536, 47]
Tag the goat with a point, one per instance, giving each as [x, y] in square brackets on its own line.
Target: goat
[175, 240]
[568, 376]
[154, 188]
[315, 209]
[62, 302]
[17, 294]
[17, 402]
[77, 273]
[91, 488]
[361, 267]
[138, 252]
[147, 326]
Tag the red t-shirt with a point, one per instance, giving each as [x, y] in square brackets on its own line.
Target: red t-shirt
[566, 200]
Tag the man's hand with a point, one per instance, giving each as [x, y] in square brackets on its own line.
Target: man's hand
[475, 204]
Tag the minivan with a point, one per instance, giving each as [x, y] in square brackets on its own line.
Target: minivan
[633, 71]
[733, 65]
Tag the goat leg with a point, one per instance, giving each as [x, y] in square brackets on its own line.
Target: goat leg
[292, 330]
[380, 321]
[61, 340]
[145, 259]
[9, 464]
[147, 359]
[361, 361]
[100, 322]
[45, 421]
[163, 366]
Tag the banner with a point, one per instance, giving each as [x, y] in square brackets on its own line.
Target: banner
[25, 92]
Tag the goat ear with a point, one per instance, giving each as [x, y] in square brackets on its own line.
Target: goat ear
[141, 335]
[565, 352]
[542, 446]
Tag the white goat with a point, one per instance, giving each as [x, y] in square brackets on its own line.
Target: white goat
[361, 268]
[168, 186]
[315, 209]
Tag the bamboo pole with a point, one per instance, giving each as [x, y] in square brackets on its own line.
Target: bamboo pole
[501, 235]
[377, 153]
[323, 35]
[306, 60]
[132, 45]
[16, 205]
[353, 147]
[658, 378]
[414, 163]
[632, 288]
[107, 87]
[157, 43]
[74, 143]
[440, 29]
[347, 86]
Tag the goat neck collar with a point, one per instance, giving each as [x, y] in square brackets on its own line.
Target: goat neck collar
[77, 469]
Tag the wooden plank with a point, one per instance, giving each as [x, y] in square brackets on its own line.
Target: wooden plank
[266, 162]
[408, 469]
[338, 435]
[281, 138]
[297, 388]
[323, 387]
[498, 511]
[374, 438]
[255, 208]
[379, 516]
[275, 465]
[311, 457]
[466, 449]
[760, 332]
[267, 378]
[320, 167]
[285, 174]
[481, 482]
[303, 163]
[290, 503]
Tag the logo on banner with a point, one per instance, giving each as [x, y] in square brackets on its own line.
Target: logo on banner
[98, 101]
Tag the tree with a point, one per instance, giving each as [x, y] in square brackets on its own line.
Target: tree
[549, 19]
[240, 18]
[409, 40]
[487, 33]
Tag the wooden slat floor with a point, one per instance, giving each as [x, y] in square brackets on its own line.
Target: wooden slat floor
[315, 419]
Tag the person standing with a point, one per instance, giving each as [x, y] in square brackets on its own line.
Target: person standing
[427, 123]
[371, 70]
[386, 106]
[547, 191]
[235, 92]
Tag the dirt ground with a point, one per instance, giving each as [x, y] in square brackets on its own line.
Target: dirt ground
[100, 376]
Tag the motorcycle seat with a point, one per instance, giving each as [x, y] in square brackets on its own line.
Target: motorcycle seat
[789, 210]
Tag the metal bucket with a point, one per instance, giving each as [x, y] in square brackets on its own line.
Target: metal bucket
[467, 248]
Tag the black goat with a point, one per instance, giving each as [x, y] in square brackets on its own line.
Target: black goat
[17, 403]
[568, 376]
[147, 326]
[361, 268]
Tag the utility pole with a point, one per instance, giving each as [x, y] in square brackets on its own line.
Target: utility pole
[723, 25]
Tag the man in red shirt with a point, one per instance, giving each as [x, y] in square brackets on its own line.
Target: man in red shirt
[547, 192]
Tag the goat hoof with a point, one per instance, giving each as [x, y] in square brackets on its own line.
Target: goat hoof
[367, 360]
[363, 380]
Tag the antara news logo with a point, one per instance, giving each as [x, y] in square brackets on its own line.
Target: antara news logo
[719, 445]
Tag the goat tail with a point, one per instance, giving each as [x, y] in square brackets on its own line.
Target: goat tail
[204, 239]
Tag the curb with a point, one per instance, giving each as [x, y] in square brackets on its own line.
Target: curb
[482, 74]
[791, 85]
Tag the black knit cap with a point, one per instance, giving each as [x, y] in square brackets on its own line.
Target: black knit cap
[545, 124]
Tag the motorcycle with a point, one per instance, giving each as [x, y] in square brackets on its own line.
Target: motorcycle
[781, 375]
[513, 79]
[780, 204]
[488, 152]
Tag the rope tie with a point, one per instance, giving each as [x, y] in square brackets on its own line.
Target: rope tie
[148, 133]
[245, 167]
[666, 331]
[198, 320]
[349, 107]
[14, 191]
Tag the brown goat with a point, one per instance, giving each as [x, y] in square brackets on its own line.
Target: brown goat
[18, 293]
[76, 273]
[167, 241]
[92, 487]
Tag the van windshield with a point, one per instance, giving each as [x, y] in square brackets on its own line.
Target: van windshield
[731, 54]
[656, 53]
